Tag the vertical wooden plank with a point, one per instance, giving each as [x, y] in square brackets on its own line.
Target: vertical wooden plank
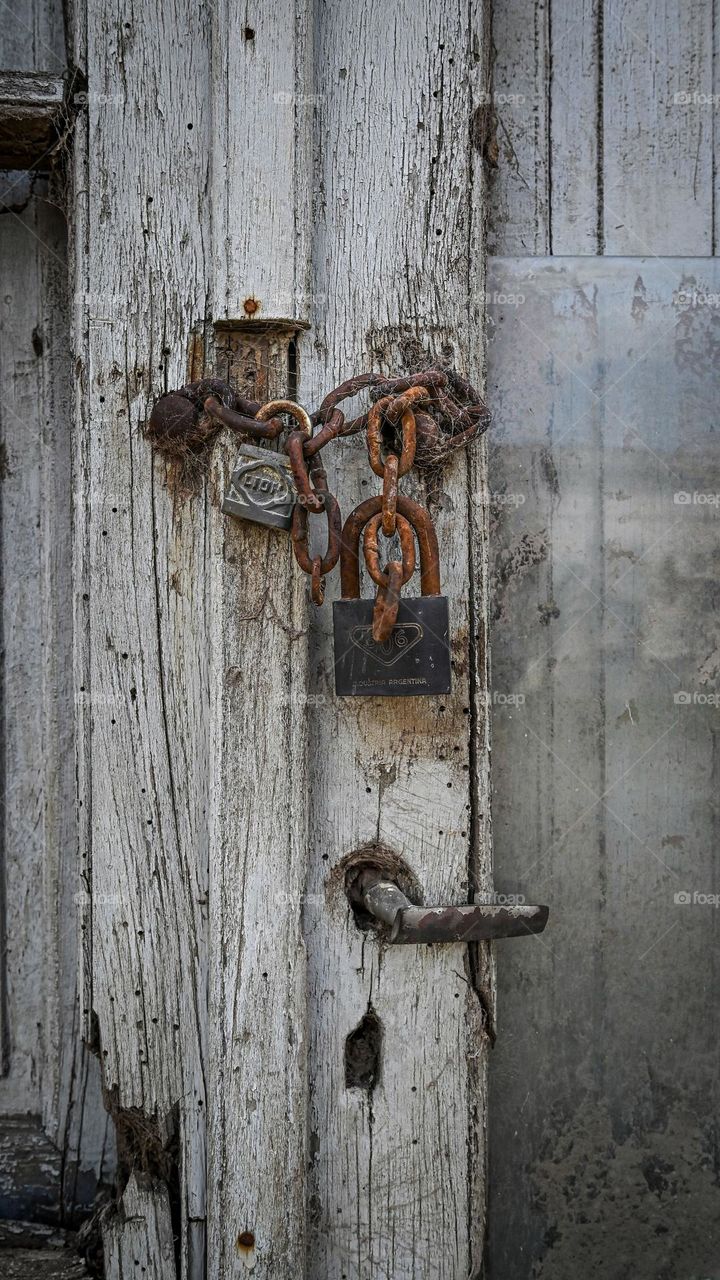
[25, 936]
[658, 122]
[33, 37]
[715, 165]
[47, 1070]
[258, 643]
[141, 557]
[73, 1113]
[575, 127]
[519, 111]
[143, 1232]
[262, 112]
[44, 927]
[397, 1150]
[604, 117]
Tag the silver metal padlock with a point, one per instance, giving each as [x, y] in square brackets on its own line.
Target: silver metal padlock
[261, 488]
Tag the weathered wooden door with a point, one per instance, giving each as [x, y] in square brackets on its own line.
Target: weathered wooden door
[287, 194]
[273, 187]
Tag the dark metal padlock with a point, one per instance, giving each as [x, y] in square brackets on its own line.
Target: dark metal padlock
[415, 659]
[261, 488]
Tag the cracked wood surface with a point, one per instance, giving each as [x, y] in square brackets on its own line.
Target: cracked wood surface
[191, 756]
[40, 1264]
[138, 1240]
[141, 568]
[397, 1167]
[257, 1045]
[55, 1142]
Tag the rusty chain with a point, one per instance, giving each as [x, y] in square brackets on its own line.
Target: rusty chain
[420, 419]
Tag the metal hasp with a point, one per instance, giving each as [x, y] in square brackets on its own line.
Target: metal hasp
[408, 923]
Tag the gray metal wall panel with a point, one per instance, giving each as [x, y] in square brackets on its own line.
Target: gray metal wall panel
[605, 472]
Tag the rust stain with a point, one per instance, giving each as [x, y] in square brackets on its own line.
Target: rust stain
[196, 355]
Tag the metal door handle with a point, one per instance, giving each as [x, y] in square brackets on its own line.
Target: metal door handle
[471, 923]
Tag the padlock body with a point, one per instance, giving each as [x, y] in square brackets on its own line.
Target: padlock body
[261, 488]
[414, 661]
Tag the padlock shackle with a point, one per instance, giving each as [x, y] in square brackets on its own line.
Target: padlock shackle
[421, 522]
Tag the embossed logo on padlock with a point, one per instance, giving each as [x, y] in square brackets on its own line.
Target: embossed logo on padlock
[261, 488]
[402, 638]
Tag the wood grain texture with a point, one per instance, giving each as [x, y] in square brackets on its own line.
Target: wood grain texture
[33, 36]
[40, 1264]
[258, 653]
[30, 112]
[22, 550]
[575, 139]
[48, 1072]
[612, 149]
[519, 189]
[139, 1240]
[73, 1114]
[140, 279]
[658, 151]
[396, 1172]
[262, 113]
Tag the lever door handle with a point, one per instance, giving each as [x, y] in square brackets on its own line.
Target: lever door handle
[468, 923]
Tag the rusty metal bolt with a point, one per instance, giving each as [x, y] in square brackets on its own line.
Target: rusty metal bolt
[176, 424]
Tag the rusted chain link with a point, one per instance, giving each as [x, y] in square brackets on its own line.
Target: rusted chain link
[318, 567]
[417, 419]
